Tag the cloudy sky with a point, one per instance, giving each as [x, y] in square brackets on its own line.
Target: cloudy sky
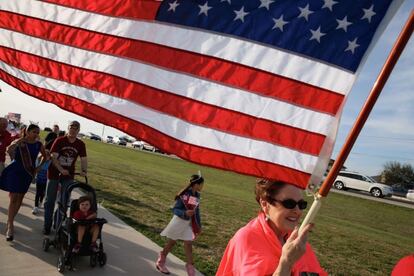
[387, 136]
[389, 132]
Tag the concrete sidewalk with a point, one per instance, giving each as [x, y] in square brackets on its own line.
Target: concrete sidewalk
[128, 251]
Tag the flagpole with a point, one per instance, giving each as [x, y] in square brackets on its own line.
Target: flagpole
[379, 84]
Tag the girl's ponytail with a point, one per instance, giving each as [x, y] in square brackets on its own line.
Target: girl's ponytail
[194, 179]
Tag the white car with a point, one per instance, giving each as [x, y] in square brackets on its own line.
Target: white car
[119, 141]
[143, 146]
[410, 195]
[357, 181]
[137, 144]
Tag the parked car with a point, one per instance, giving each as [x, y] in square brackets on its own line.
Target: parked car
[144, 146]
[357, 181]
[399, 190]
[137, 144]
[127, 139]
[109, 139]
[94, 136]
[120, 141]
[410, 195]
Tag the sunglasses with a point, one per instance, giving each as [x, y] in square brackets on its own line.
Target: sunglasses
[291, 204]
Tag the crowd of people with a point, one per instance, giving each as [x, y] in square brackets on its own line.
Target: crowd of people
[50, 164]
[53, 164]
[270, 244]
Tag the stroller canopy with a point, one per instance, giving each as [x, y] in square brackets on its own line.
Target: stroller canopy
[65, 197]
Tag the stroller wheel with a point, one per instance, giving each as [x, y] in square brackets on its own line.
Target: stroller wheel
[46, 244]
[92, 260]
[102, 259]
[61, 264]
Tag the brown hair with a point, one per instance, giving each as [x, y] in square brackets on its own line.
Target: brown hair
[83, 199]
[267, 189]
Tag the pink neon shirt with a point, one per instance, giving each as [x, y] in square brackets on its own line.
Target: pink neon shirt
[405, 267]
[255, 250]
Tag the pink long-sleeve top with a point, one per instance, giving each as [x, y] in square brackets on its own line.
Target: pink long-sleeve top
[255, 251]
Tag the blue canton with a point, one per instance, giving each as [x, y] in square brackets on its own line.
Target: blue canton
[336, 32]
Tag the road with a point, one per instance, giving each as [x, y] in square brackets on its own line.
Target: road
[394, 200]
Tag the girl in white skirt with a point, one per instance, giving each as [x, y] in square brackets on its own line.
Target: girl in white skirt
[185, 224]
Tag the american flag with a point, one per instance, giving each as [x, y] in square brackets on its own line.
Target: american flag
[190, 202]
[252, 86]
[193, 201]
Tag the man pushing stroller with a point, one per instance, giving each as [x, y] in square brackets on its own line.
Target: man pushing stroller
[64, 152]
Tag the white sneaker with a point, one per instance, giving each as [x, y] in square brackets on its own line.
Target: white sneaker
[35, 211]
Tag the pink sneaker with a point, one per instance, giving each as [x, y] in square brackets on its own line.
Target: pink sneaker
[160, 264]
[190, 269]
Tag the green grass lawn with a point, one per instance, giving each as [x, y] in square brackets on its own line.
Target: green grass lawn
[352, 236]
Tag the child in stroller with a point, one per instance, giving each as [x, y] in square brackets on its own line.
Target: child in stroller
[84, 212]
[78, 228]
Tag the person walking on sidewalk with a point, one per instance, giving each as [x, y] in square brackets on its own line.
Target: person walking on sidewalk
[16, 177]
[64, 153]
[51, 137]
[41, 181]
[185, 224]
[5, 140]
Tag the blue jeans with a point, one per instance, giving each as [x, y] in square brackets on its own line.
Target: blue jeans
[51, 193]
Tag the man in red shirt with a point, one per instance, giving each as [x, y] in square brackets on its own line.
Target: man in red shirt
[64, 152]
[5, 140]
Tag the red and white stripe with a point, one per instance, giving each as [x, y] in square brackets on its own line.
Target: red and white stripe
[208, 98]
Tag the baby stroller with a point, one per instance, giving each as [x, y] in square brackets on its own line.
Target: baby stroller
[66, 229]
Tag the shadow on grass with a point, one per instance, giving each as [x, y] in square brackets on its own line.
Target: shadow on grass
[132, 179]
[123, 200]
[141, 227]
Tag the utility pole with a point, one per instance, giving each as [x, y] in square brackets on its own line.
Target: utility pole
[103, 131]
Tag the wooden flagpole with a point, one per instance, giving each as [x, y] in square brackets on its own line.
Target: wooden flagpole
[362, 117]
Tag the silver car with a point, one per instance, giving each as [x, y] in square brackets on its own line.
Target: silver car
[357, 181]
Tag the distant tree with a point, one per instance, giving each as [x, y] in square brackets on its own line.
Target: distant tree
[396, 173]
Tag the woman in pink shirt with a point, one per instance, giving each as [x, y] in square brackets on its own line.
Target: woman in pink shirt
[270, 243]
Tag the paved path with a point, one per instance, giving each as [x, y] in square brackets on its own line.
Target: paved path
[129, 252]
[394, 200]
